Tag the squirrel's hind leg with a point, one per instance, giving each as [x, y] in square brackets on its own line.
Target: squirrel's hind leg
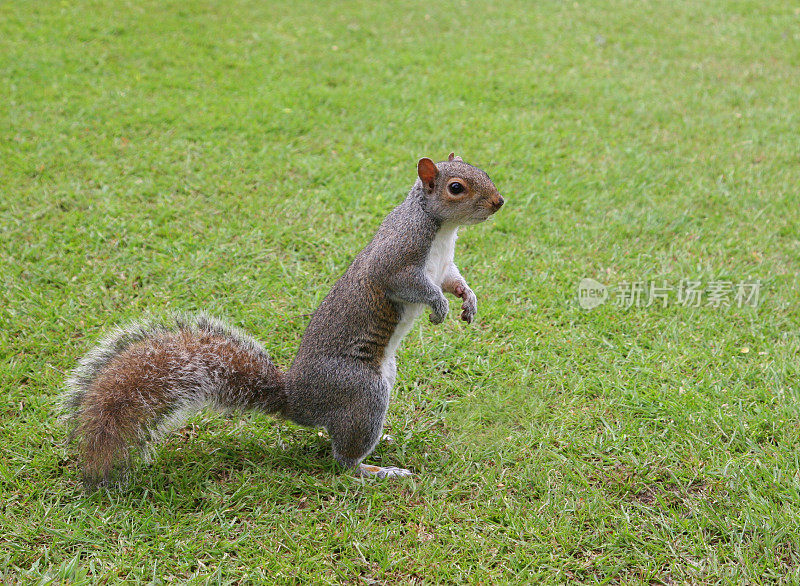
[356, 432]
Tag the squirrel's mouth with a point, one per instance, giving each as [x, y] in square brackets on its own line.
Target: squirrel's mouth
[487, 209]
[479, 219]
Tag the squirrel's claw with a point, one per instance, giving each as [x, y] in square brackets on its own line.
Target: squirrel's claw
[470, 305]
[440, 309]
[382, 472]
[436, 319]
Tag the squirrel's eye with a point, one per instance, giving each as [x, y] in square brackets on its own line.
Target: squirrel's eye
[455, 188]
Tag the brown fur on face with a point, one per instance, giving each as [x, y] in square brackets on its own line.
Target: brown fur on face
[476, 203]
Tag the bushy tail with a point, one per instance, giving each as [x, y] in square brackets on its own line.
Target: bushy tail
[144, 379]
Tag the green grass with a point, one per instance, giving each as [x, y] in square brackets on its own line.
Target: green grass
[160, 156]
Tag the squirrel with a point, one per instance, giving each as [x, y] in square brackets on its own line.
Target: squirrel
[144, 379]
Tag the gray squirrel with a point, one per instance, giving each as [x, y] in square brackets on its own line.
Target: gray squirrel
[144, 379]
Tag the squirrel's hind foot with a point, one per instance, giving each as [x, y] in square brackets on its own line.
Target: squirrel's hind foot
[382, 472]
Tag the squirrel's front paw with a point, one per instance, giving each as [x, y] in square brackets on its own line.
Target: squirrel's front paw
[470, 305]
[436, 319]
[439, 311]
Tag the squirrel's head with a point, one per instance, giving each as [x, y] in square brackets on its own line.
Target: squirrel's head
[455, 191]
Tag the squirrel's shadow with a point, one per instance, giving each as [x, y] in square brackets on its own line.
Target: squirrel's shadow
[220, 456]
[187, 466]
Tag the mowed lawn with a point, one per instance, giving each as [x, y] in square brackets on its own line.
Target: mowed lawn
[233, 157]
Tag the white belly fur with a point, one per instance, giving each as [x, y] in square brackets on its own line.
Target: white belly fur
[439, 258]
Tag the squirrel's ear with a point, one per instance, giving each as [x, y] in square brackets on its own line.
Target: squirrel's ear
[427, 171]
[453, 157]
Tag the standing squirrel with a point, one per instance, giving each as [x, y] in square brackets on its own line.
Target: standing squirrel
[142, 380]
